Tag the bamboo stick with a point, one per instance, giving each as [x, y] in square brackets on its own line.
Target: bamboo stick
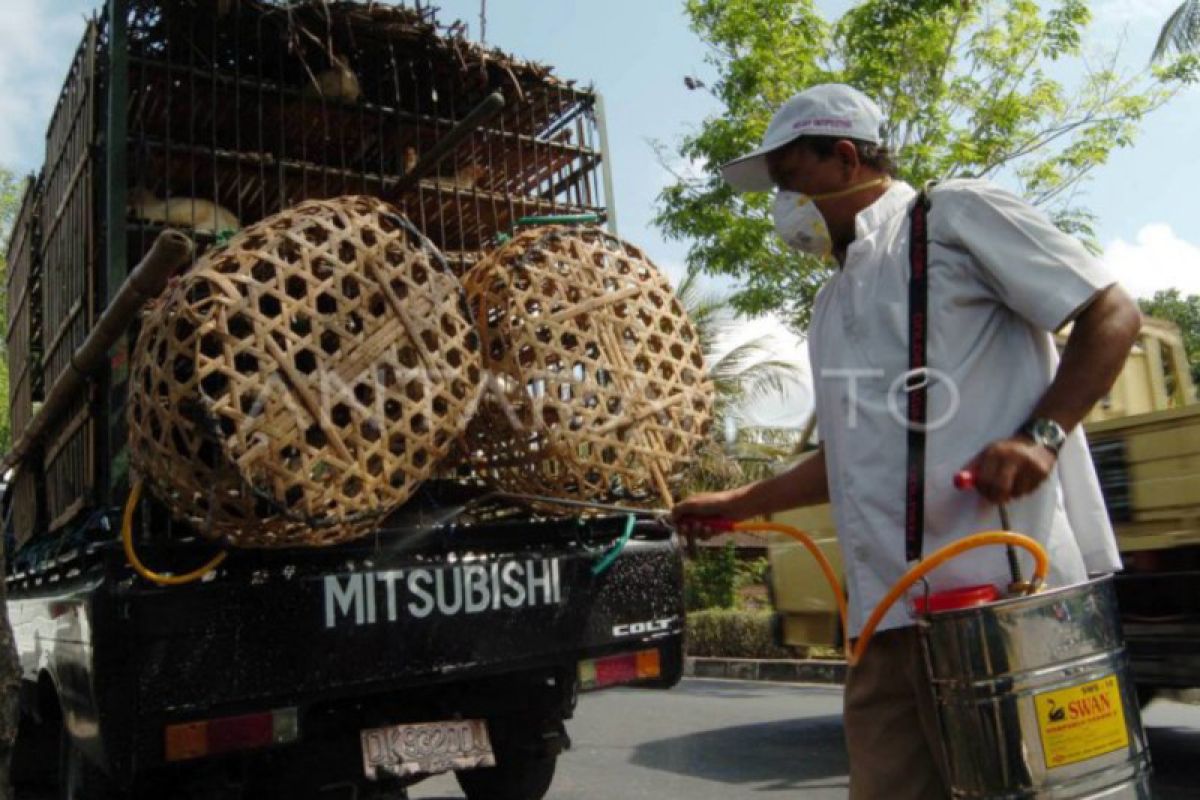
[170, 251]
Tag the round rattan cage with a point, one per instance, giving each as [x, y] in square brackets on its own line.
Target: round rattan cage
[596, 384]
[298, 384]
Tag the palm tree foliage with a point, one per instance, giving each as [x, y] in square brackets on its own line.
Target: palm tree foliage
[745, 374]
[1181, 32]
[742, 375]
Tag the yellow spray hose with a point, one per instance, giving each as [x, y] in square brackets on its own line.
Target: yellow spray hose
[135, 492]
[920, 570]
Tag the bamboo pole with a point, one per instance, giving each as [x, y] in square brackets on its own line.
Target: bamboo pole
[170, 251]
[479, 115]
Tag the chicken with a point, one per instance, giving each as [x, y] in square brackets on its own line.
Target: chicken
[336, 83]
[202, 216]
[467, 177]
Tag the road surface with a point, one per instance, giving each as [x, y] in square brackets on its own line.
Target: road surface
[727, 740]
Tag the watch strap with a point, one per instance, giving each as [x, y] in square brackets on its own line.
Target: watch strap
[1032, 429]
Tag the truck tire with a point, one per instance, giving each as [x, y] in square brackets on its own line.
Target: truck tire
[518, 775]
[35, 754]
[79, 778]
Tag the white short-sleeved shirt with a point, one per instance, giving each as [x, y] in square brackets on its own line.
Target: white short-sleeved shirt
[1001, 278]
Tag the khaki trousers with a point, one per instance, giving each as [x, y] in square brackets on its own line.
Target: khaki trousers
[891, 724]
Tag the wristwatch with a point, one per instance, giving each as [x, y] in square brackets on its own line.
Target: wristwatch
[1046, 432]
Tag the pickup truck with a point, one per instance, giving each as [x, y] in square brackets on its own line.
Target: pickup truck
[289, 674]
[440, 641]
[1145, 442]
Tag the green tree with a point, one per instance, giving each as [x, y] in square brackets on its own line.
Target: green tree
[1181, 31]
[1170, 305]
[10, 668]
[10, 200]
[710, 581]
[965, 88]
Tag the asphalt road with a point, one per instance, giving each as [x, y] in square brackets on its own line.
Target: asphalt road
[728, 740]
[724, 740]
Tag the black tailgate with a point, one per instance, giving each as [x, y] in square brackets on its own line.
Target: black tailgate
[484, 600]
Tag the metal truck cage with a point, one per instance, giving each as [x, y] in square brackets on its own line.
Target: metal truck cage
[172, 108]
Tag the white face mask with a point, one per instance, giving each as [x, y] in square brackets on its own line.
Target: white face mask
[800, 223]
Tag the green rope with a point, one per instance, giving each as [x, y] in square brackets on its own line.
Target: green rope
[503, 237]
[606, 561]
[559, 219]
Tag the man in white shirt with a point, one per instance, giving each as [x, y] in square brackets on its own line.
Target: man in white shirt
[1000, 279]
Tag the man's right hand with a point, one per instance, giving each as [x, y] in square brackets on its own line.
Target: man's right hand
[689, 515]
[801, 485]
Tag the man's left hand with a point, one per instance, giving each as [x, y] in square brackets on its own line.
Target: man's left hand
[1010, 468]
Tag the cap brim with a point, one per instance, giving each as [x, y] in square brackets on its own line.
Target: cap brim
[749, 173]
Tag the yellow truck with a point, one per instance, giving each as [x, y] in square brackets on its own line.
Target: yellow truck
[1145, 442]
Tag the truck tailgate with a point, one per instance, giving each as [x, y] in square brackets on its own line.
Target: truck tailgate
[484, 602]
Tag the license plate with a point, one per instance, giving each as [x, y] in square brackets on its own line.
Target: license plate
[428, 747]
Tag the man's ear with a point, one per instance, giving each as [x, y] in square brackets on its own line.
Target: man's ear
[847, 154]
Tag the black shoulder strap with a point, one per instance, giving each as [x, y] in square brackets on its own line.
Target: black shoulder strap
[918, 380]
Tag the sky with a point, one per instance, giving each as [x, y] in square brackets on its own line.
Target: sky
[636, 53]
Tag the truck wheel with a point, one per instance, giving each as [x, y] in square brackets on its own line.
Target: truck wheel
[78, 778]
[1144, 695]
[35, 753]
[518, 775]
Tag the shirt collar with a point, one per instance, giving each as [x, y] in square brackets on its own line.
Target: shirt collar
[894, 201]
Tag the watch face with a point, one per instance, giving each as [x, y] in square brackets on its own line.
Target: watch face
[1048, 432]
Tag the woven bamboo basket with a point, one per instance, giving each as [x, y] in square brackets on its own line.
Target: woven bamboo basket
[597, 388]
[298, 384]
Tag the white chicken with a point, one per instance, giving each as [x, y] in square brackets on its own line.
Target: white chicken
[202, 216]
[336, 83]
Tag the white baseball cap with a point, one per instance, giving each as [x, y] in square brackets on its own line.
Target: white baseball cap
[828, 109]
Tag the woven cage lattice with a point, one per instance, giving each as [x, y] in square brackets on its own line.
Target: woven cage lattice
[596, 384]
[298, 384]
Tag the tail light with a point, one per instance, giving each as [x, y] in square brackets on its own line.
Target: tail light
[599, 673]
[210, 737]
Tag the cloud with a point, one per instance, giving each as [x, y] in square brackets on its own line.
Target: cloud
[1128, 12]
[40, 38]
[1157, 260]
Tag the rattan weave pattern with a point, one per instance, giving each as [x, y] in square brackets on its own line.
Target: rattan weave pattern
[298, 384]
[597, 387]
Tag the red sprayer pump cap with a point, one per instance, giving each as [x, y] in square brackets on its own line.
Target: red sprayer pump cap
[955, 599]
[966, 597]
